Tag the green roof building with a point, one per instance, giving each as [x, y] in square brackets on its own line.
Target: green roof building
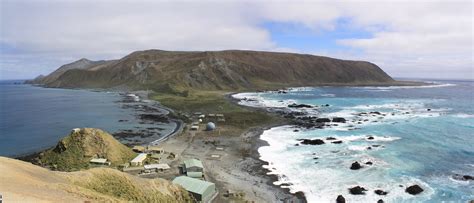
[193, 165]
[202, 191]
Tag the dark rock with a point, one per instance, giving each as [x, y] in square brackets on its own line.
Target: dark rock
[296, 130]
[380, 201]
[330, 138]
[375, 112]
[300, 106]
[370, 138]
[414, 190]
[357, 190]
[323, 120]
[312, 142]
[337, 142]
[380, 192]
[338, 120]
[340, 199]
[369, 163]
[375, 145]
[315, 157]
[428, 109]
[356, 166]
[297, 144]
[462, 177]
[369, 148]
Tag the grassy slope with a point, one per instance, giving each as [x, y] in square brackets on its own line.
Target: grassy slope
[24, 182]
[75, 151]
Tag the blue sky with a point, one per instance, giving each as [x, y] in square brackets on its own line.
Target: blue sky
[399, 36]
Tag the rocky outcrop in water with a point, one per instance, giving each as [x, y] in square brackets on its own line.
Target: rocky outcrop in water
[356, 166]
[414, 190]
[357, 190]
[311, 142]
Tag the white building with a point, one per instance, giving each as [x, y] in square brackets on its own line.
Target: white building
[138, 161]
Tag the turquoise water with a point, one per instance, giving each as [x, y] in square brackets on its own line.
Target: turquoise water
[413, 145]
[34, 118]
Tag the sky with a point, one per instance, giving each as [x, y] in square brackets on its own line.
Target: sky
[406, 38]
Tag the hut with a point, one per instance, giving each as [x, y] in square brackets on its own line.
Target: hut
[210, 126]
[133, 170]
[138, 160]
[99, 161]
[193, 168]
[202, 191]
[194, 127]
[139, 149]
[156, 167]
[155, 150]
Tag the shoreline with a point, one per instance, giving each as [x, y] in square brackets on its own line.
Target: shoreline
[257, 142]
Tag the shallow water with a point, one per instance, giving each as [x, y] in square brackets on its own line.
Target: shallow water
[34, 118]
[411, 145]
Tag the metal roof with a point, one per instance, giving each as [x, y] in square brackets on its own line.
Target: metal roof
[157, 166]
[140, 158]
[192, 184]
[193, 162]
[98, 160]
[194, 174]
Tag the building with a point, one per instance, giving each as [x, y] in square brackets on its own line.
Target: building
[138, 161]
[155, 150]
[156, 167]
[193, 168]
[139, 149]
[99, 161]
[194, 127]
[133, 170]
[202, 191]
[210, 126]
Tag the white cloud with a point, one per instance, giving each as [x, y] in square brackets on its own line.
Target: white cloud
[408, 38]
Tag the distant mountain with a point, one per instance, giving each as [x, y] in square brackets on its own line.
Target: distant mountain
[215, 70]
[75, 151]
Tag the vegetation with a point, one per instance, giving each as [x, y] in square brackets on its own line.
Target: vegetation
[237, 118]
[75, 151]
[32, 183]
[128, 188]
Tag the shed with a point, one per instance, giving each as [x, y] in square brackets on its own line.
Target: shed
[155, 149]
[138, 149]
[193, 165]
[99, 161]
[138, 161]
[157, 167]
[202, 191]
[195, 174]
[133, 170]
[195, 127]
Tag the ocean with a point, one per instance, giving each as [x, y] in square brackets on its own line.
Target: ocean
[35, 118]
[423, 135]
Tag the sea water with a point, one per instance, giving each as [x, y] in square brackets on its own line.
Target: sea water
[423, 136]
[35, 118]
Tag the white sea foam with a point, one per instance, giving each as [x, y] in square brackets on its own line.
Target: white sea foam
[408, 87]
[463, 115]
[323, 179]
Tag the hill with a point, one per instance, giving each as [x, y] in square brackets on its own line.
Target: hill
[76, 150]
[175, 71]
[24, 182]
